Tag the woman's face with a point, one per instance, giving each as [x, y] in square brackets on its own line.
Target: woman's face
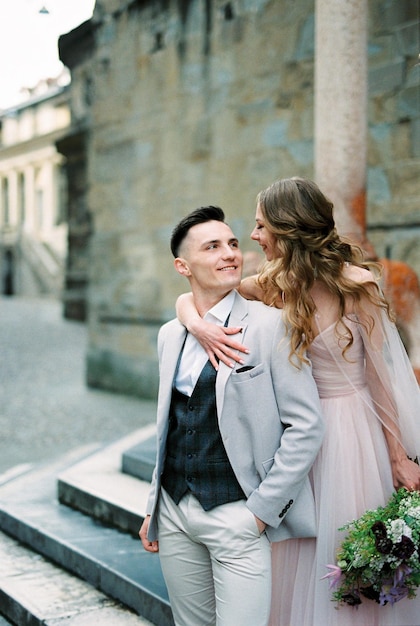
[265, 238]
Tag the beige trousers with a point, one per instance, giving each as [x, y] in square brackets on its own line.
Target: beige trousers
[216, 565]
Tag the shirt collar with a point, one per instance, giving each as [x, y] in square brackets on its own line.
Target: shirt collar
[220, 311]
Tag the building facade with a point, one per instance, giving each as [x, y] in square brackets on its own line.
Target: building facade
[33, 203]
[176, 104]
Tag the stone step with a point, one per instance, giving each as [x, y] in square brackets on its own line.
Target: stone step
[35, 592]
[97, 486]
[139, 461]
[112, 561]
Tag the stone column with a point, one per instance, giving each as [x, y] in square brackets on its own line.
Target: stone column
[29, 223]
[13, 199]
[341, 110]
[341, 144]
[50, 203]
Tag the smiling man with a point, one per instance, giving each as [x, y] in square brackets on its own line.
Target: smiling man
[234, 446]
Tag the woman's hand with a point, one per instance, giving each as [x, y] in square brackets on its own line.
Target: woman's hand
[218, 342]
[406, 473]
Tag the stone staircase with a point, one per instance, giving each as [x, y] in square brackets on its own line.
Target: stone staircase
[69, 547]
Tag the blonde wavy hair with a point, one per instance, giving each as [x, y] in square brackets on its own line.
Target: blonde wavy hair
[309, 247]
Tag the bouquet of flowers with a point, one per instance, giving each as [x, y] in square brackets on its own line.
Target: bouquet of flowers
[380, 557]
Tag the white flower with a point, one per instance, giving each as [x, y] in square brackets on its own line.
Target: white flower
[414, 512]
[397, 528]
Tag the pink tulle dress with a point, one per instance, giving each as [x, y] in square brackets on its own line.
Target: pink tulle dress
[351, 474]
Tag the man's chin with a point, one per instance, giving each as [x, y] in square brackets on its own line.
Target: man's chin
[228, 285]
[233, 284]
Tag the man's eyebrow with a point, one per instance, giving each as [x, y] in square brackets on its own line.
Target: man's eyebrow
[211, 241]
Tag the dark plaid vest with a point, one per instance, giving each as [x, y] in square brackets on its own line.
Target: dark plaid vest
[196, 458]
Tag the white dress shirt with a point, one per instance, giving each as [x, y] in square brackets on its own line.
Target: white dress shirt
[194, 357]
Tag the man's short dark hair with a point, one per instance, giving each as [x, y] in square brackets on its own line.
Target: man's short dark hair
[199, 216]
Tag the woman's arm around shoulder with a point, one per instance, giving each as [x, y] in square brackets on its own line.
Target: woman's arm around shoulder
[216, 340]
[250, 289]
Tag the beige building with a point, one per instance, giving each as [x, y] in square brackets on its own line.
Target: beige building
[179, 104]
[33, 222]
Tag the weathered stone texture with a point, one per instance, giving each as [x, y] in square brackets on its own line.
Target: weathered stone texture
[188, 107]
[394, 116]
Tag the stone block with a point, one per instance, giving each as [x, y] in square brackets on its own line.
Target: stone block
[378, 188]
[386, 78]
[409, 102]
[117, 372]
[405, 180]
[383, 49]
[379, 145]
[305, 48]
[388, 15]
[415, 138]
[140, 460]
[401, 244]
[408, 38]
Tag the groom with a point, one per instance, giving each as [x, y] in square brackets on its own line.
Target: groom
[234, 447]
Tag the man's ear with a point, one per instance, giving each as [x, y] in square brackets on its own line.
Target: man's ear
[181, 266]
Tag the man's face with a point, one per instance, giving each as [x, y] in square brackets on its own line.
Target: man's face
[211, 259]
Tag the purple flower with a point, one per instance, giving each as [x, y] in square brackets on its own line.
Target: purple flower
[392, 594]
[334, 575]
[394, 591]
[400, 573]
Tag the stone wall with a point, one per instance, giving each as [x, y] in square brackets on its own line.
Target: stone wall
[394, 131]
[196, 102]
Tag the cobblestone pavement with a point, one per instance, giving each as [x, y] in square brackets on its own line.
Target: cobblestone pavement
[45, 407]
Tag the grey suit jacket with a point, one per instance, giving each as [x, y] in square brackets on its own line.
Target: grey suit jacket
[269, 418]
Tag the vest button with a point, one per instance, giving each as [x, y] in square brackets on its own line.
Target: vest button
[189, 455]
[190, 431]
[191, 408]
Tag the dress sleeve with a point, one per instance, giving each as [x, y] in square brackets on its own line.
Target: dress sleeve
[391, 380]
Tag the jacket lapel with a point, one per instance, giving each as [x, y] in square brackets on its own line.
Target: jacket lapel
[173, 345]
[237, 318]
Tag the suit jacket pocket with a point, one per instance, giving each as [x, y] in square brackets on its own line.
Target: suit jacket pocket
[247, 372]
[268, 464]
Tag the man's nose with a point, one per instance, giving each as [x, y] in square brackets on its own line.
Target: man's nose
[228, 252]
